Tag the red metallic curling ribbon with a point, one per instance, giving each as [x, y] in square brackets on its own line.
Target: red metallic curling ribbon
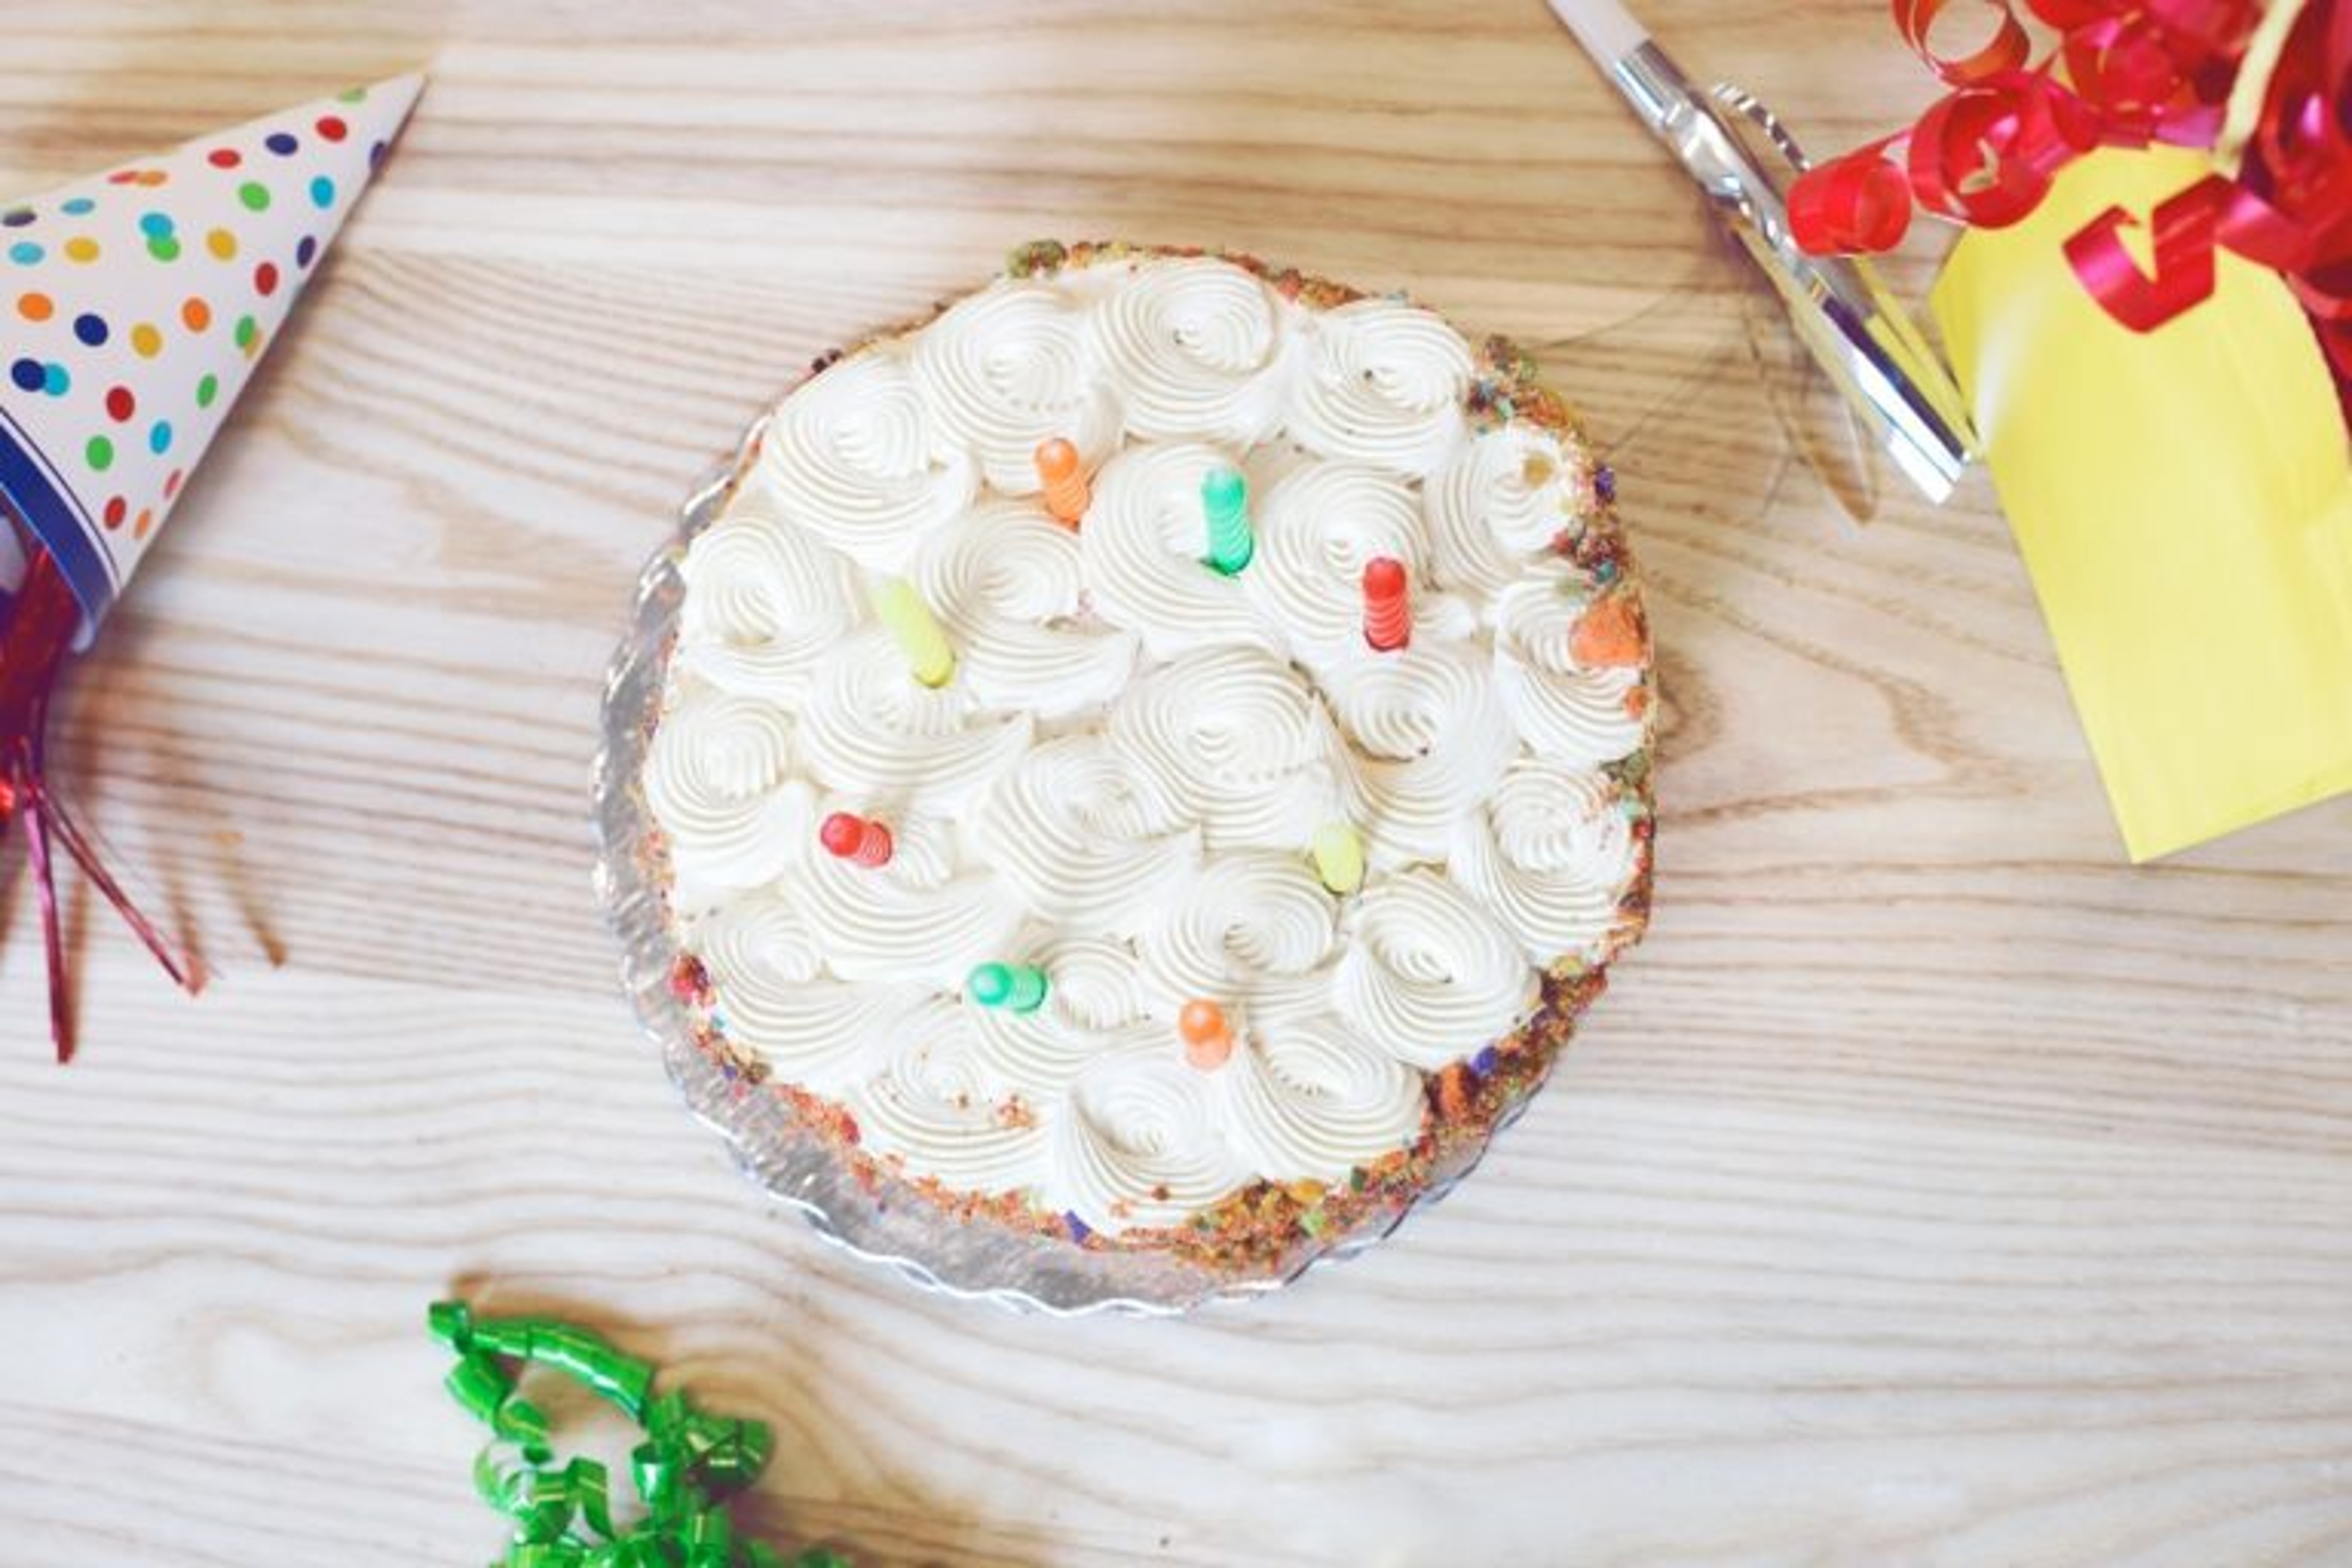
[36, 629]
[2124, 73]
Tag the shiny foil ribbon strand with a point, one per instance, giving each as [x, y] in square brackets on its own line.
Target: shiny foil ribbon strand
[37, 631]
[561, 1514]
[2125, 73]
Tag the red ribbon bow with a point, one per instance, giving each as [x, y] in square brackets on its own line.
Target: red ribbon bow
[2124, 74]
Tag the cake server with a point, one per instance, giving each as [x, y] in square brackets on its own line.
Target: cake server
[1859, 335]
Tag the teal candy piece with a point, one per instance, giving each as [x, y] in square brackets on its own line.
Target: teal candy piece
[1016, 987]
[1225, 506]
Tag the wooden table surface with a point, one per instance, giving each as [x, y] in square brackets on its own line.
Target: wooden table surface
[1931, 1187]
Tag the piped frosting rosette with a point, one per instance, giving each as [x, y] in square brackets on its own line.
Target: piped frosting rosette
[1434, 739]
[1428, 975]
[1008, 368]
[1096, 1008]
[1005, 580]
[1563, 710]
[882, 927]
[774, 997]
[1075, 833]
[1307, 1094]
[1500, 505]
[870, 729]
[1232, 740]
[1548, 852]
[856, 458]
[1384, 384]
[1140, 1143]
[1320, 526]
[764, 602]
[1199, 352]
[938, 1102]
[718, 779]
[1256, 929]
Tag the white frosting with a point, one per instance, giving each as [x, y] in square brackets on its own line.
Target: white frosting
[1309, 1096]
[938, 1102]
[1143, 545]
[1198, 352]
[1561, 711]
[1427, 970]
[718, 779]
[1121, 782]
[1008, 368]
[1435, 737]
[1385, 385]
[762, 603]
[1498, 505]
[1138, 1141]
[1254, 931]
[1318, 528]
[1233, 740]
[1549, 854]
[774, 997]
[857, 459]
[870, 729]
[1071, 831]
[1004, 580]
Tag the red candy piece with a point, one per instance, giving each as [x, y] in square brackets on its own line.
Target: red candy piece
[1388, 604]
[859, 838]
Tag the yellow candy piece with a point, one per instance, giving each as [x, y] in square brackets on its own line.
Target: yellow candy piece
[1338, 857]
[910, 622]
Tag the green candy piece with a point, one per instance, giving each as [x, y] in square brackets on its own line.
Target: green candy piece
[1016, 987]
[1224, 502]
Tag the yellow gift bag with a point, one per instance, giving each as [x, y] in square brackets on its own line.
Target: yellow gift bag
[2183, 500]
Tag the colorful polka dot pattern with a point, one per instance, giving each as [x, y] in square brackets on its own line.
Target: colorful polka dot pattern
[136, 303]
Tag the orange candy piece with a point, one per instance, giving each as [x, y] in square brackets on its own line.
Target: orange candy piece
[1208, 1038]
[1066, 493]
[1454, 1087]
[1608, 634]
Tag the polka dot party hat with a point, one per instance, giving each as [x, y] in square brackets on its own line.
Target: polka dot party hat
[135, 304]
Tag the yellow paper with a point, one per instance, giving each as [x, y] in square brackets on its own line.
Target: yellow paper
[2183, 500]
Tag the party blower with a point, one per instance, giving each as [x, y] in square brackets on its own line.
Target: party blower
[134, 305]
[1861, 338]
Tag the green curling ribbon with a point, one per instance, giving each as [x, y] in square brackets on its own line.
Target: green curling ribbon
[562, 1515]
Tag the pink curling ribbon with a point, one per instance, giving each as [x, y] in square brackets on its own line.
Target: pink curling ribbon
[36, 629]
[2124, 73]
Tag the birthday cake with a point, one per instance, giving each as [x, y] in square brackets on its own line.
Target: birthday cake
[1156, 755]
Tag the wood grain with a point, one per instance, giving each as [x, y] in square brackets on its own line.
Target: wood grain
[1931, 1188]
